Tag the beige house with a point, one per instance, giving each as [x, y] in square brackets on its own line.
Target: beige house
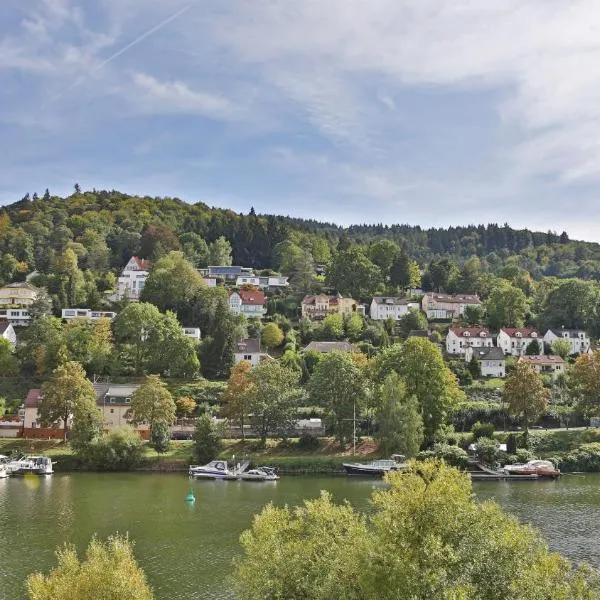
[447, 306]
[18, 294]
[545, 365]
[321, 305]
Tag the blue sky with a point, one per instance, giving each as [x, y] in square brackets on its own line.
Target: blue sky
[434, 113]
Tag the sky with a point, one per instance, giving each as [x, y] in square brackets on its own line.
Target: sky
[430, 113]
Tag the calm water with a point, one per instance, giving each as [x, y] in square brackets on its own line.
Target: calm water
[186, 551]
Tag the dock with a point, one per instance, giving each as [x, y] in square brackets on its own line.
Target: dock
[479, 476]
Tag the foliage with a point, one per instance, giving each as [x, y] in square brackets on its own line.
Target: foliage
[152, 403]
[207, 439]
[9, 363]
[586, 458]
[533, 348]
[506, 307]
[473, 314]
[572, 304]
[308, 442]
[488, 451]
[236, 398]
[584, 383]
[428, 538]
[218, 348]
[109, 571]
[160, 436]
[272, 336]
[480, 430]
[449, 453]
[511, 443]
[413, 320]
[338, 384]
[185, 405]
[352, 273]
[400, 425]
[560, 348]
[118, 450]
[332, 327]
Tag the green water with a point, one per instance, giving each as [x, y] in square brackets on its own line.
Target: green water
[186, 550]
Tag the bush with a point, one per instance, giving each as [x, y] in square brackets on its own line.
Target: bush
[585, 458]
[160, 437]
[482, 430]
[453, 455]
[511, 444]
[308, 441]
[118, 450]
[487, 451]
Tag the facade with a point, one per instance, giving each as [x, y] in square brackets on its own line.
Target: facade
[247, 280]
[133, 279]
[226, 272]
[249, 350]
[18, 294]
[578, 339]
[545, 365]
[383, 308]
[327, 347]
[248, 303]
[16, 316]
[461, 338]
[491, 360]
[273, 283]
[192, 332]
[210, 281]
[7, 332]
[514, 341]
[447, 306]
[318, 307]
[86, 313]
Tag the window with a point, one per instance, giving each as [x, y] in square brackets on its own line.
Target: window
[247, 357]
[112, 410]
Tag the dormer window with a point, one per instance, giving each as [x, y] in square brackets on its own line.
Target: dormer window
[466, 334]
[518, 334]
[483, 334]
[533, 334]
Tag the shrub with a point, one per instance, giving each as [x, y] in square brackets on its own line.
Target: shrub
[487, 451]
[585, 458]
[523, 455]
[160, 437]
[482, 430]
[511, 444]
[118, 450]
[453, 455]
[308, 441]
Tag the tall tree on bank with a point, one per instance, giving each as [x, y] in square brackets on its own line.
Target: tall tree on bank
[152, 403]
[68, 395]
[236, 398]
[584, 383]
[218, 350]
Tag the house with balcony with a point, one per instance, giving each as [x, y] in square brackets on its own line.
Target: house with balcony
[391, 307]
[461, 338]
[226, 272]
[88, 314]
[515, 340]
[577, 339]
[545, 365]
[447, 306]
[251, 303]
[18, 317]
[321, 305]
[133, 279]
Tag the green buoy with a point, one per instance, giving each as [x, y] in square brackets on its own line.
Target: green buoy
[190, 497]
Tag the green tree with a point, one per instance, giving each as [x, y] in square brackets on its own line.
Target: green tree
[354, 325]
[573, 303]
[118, 450]
[41, 306]
[400, 425]
[207, 439]
[584, 383]
[273, 397]
[152, 403]
[42, 342]
[525, 394]
[272, 336]
[384, 253]
[352, 273]
[9, 363]
[473, 314]
[156, 241]
[218, 347]
[428, 538]
[220, 252]
[109, 571]
[533, 348]
[405, 273]
[413, 320]
[560, 348]
[338, 385]
[160, 436]
[506, 306]
[332, 327]
[236, 398]
[68, 395]
[67, 281]
[195, 249]
[442, 273]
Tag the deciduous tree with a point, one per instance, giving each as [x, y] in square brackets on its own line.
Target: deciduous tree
[152, 402]
[584, 383]
[207, 439]
[272, 336]
[506, 306]
[560, 348]
[236, 398]
[352, 273]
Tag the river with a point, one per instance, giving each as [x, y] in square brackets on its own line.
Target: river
[186, 550]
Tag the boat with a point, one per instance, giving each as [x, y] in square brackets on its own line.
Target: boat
[541, 468]
[270, 473]
[216, 469]
[376, 468]
[253, 475]
[3, 467]
[36, 465]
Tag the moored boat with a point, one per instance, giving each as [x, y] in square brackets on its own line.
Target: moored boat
[216, 469]
[36, 465]
[376, 468]
[541, 468]
[253, 475]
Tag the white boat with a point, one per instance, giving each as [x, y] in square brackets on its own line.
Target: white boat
[270, 473]
[254, 475]
[376, 468]
[37, 465]
[216, 469]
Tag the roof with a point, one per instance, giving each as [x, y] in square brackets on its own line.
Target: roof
[248, 346]
[455, 298]
[470, 331]
[394, 300]
[251, 297]
[331, 347]
[32, 399]
[22, 285]
[492, 353]
[114, 390]
[142, 263]
[574, 333]
[4, 325]
[524, 331]
[542, 360]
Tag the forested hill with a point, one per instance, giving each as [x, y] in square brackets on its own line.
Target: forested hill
[106, 227]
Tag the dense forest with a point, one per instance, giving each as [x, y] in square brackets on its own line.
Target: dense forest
[105, 228]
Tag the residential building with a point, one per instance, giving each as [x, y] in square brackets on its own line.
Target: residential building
[545, 365]
[491, 360]
[514, 340]
[7, 331]
[133, 279]
[247, 280]
[16, 316]
[327, 347]
[321, 305]
[387, 307]
[461, 338]
[250, 303]
[447, 306]
[192, 332]
[87, 313]
[273, 283]
[210, 281]
[577, 339]
[18, 294]
[249, 350]
[226, 272]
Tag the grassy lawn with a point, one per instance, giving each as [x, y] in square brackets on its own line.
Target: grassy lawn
[492, 383]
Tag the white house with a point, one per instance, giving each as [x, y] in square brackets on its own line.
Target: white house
[248, 303]
[247, 280]
[545, 365]
[16, 316]
[388, 307]
[461, 338]
[447, 306]
[86, 313]
[192, 332]
[577, 339]
[273, 282]
[7, 331]
[492, 360]
[514, 340]
[210, 281]
[249, 350]
[133, 279]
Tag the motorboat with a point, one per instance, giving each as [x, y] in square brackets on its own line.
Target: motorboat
[36, 465]
[541, 468]
[254, 475]
[376, 468]
[270, 473]
[216, 469]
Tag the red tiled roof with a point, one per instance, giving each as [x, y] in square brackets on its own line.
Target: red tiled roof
[542, 360]
[472, 331]
[252, 297]
[524, 331]
[33, 398]
[142, 263]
